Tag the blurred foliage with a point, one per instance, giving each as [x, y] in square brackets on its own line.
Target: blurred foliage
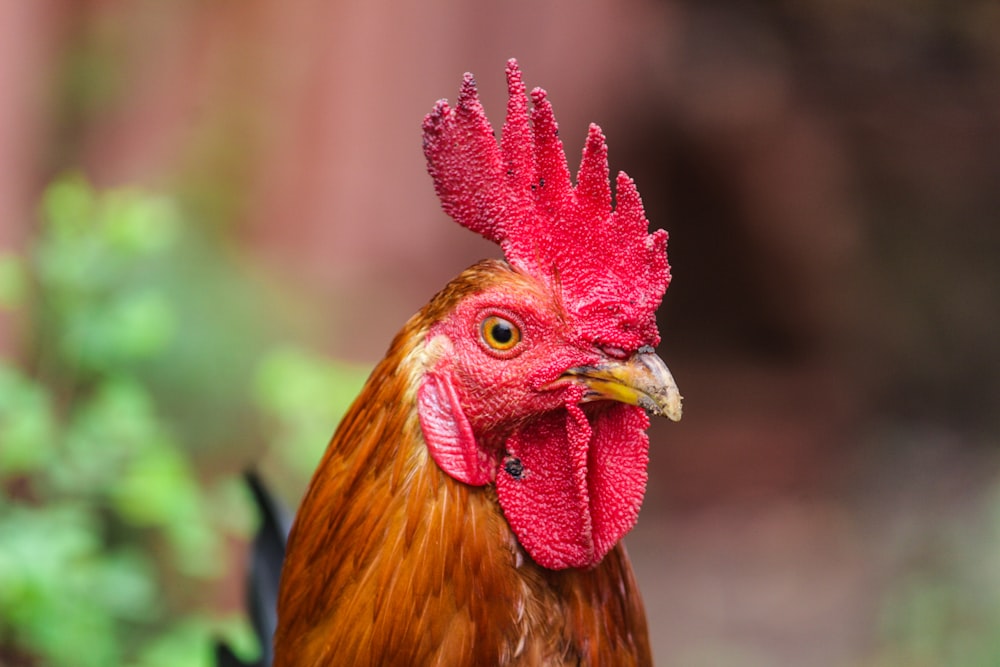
[156, 379]
[303, 395]
[947, 612]
[941, 604]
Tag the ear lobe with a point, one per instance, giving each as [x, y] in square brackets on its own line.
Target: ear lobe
[448, 433]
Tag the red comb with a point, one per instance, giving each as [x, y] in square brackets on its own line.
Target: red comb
[610, 271]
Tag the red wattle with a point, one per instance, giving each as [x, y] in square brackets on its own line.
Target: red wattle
[580, 483]
[619, 458]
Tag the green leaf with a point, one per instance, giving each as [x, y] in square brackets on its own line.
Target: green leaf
[155, 489]
[136, 223]
[105, 434]
[307, 396]
[188, 642]
[13, 282]
[125, 583]
[69, 206]
[141, 325]
[27, 425]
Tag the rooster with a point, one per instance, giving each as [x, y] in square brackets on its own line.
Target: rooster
[470, 507]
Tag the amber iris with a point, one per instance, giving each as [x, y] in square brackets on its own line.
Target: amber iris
[499, 333]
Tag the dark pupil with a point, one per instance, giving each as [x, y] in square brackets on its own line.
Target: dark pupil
[502, 333]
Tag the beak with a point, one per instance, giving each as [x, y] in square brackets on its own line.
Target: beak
[642, 380]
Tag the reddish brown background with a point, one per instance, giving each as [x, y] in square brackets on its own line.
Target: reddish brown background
[829, 174]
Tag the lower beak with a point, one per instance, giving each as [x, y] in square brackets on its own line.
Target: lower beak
[642, 380]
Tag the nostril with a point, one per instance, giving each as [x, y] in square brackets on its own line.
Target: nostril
[614, 352]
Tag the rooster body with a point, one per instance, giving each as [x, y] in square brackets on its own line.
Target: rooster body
[470, 506]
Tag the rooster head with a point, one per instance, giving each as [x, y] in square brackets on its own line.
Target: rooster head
[539, 376]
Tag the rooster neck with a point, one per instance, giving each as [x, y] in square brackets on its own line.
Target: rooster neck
[391, 561]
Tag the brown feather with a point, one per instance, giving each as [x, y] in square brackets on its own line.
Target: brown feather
[392, 562]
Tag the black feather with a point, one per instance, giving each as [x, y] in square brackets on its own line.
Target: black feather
[263, 576]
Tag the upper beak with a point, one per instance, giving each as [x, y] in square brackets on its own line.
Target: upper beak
[642, 380]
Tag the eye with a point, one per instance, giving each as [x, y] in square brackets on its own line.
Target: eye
[499, 333]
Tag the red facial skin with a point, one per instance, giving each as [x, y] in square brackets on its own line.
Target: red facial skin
[581, 469]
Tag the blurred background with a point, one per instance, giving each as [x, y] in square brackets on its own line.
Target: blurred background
[215, 215]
